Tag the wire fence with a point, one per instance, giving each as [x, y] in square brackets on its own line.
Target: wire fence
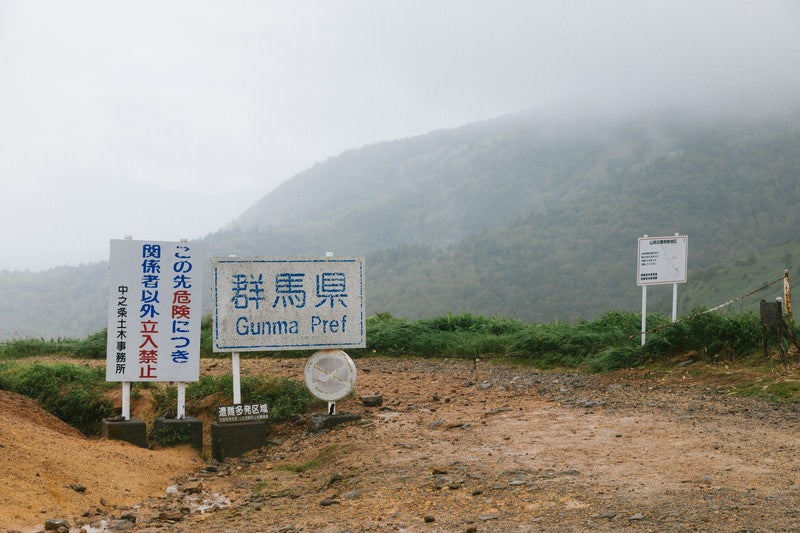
[715, 308]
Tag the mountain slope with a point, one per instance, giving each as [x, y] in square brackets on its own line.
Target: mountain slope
[529, 216]
[61, 302]
[439, 188]
[731, 186]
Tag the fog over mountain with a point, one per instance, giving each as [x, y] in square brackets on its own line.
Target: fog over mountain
[532, 215]
[164, 120]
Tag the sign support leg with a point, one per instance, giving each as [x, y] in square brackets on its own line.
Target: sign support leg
[674, 302]
[181, 411]
[237, 381]
[126, 400]
[644, 311]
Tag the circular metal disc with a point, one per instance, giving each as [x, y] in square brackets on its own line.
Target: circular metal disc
[330, 375]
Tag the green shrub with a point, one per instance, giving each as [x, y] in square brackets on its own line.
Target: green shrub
[73, 393]
[451, 336]
[714, 334]
[608, 342]
[165, 399]
[572, 344]
[206, 338]
[92, 347]
[615, 358]
[34, 347]
[286, 397]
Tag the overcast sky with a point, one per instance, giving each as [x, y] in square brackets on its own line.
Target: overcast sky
[167, 119]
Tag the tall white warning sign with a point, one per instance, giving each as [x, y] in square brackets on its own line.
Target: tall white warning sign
[154, 311]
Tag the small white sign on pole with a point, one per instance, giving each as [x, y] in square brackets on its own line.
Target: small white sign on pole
[262, 304]
[153, 311]
[662, 260]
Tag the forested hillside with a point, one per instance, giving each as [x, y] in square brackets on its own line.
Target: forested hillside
[64, 301]
[538, 218]
[527, 216]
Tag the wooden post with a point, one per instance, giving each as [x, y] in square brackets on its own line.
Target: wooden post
[787, 296]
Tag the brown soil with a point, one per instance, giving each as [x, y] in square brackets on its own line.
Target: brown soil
[456, 446]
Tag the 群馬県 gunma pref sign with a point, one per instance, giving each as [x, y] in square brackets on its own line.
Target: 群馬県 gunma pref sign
[287, 303]
[154, 311]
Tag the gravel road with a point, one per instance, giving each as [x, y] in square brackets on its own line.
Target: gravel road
[462, 446]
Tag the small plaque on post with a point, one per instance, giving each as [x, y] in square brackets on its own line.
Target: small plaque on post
[248, 412]
[771, 314]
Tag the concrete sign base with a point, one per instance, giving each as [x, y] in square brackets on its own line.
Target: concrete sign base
[320, 422]
[234, 439]
[133, 431]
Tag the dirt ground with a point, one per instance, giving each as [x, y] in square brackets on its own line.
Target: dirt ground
[456, 446]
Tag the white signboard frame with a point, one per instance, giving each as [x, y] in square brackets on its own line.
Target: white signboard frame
[154, 311]
[263, 304]
[662, 260]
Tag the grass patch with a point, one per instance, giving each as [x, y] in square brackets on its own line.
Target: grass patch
[610, 342]
[73, 393]
[463, 336]
[77, 394]
[91, 347]
[775, 391]
[326, 455]
[286, 397]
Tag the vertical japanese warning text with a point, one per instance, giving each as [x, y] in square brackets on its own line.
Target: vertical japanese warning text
[283, 303]
[154, 311]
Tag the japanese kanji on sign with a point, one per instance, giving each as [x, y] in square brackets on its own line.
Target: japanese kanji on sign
[287, 303]
[662, 260]
[153, 311]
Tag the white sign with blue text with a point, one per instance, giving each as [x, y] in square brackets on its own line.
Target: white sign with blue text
[154, 311]
[287, 303]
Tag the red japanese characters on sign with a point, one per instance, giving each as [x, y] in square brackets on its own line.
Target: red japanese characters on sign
[153, 312]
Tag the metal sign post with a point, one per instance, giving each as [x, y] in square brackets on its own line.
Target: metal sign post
[236, 372]
[674, 302]
[237, 378]
[180, 412]
[126, 400]
[644, 312]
